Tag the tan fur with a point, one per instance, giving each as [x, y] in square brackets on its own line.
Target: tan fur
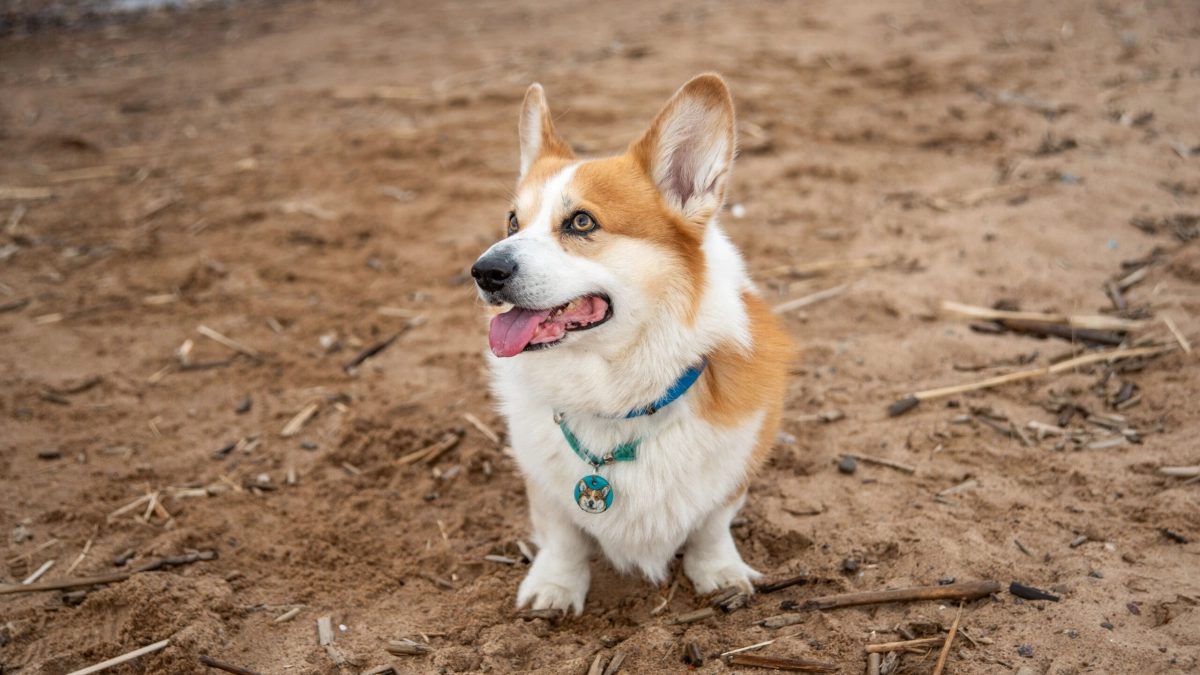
[738, 384]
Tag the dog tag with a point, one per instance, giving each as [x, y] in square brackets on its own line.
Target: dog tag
[593, 494]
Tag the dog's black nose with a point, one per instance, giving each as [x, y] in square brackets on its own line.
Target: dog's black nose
[491, 271]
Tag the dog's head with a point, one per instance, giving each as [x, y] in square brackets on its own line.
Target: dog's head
[613, 242]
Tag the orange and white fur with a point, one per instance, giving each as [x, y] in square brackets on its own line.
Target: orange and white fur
[616, 278]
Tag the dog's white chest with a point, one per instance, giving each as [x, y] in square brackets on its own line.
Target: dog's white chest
[685, 468]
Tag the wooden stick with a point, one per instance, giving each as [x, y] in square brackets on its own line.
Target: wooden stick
[819, 266]
[89, 173]
[430, 452]
[874, 663]
[122, 659]
[288, 615]
[615, 665]
[778, 663]
[41, 547]
[884, 462]
[38, 574]
[1183, 341]
[107, 578]
[297, 423]
[86, 547]
[1180, 471]
[407, 648]
[1086, 321]
[941, 662]
[760, 644]
[369, 352]
[1066, 332]
[667, 600]
[483, 428]
[691, 617]
[969, 590]
[811, 299]
[129, 507]
[1086, 359]
[325, 631]
[798, 580]
[961, 487]
[884, 647]
[232, 344]
[227, 667]
[597, 665]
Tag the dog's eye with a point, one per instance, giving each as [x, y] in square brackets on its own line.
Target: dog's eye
[513, 225]
[582, 222]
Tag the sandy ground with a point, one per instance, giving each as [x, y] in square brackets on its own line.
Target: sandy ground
[312, 178]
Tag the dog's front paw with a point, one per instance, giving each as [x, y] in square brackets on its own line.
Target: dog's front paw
[545, 590]
[714, 574]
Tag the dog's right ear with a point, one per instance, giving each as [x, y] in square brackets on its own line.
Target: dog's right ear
[688, 149]
[536, 131]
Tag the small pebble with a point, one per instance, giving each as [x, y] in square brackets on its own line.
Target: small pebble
[50, 454]
[1026, 651]
[1073, 634]
[847, 465]
[850, 565]
[1133, 609]
[947, 581]
[1105, 624]
[1096, 573]
[244, 406]
[308, 445]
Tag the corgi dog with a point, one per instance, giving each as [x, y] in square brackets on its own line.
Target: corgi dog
[641, 375]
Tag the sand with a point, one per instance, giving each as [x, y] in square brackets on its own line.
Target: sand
[309, 179]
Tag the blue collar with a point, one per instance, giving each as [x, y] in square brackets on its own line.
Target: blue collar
[678, 389]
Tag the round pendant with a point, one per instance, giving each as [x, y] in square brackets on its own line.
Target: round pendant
[593, 494]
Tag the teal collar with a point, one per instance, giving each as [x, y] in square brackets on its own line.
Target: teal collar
[627, 452]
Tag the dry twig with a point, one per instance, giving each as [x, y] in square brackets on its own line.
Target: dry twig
[962, 591]
[810, 299]
[779, 663]
[107, 578]
[941, 662]
[884, 647]
[1081, 321]
[122, 658]
[884, 462]
[227, 667]
[232, 344]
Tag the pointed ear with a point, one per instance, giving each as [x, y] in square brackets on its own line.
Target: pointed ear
[536, 131]
[604, 491]
[688, 149]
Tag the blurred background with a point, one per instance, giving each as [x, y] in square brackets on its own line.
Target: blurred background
[234, 243]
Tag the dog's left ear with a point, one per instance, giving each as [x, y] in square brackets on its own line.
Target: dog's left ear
[688, 149]
[536, 131]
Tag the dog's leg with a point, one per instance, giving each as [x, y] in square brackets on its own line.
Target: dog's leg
[712, 560]
[560, 576]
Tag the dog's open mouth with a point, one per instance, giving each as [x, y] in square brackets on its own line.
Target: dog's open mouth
[523, 329]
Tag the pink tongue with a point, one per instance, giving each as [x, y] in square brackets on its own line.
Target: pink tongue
[511, 331]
